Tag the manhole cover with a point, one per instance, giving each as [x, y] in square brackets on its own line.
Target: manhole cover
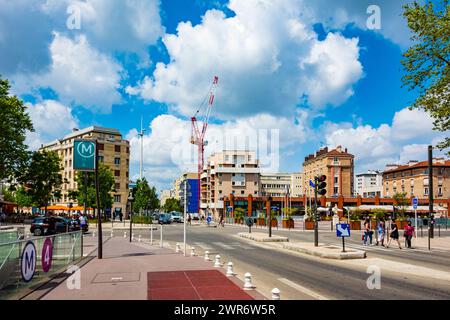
[116, 277]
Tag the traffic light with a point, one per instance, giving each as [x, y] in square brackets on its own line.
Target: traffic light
[321, 185]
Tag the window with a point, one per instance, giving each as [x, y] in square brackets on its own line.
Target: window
[117, 161]
[220, 191]
[128, 149]
[242, 192]
[117, 186]
[336, 179]
[439, 191]
[117, 173]
[101, 159]
[425, 191]
[117, 148]
[336, 190]
[117, 198]
[101, 146]
[127, 174]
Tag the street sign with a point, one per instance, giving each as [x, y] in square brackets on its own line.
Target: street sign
[343, 230]
[415, 203]
[28, 261]
[311, 184]
[230, 209]
[47, 255]
[209, 219]
[84, 155]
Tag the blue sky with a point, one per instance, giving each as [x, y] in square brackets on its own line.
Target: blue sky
[310, 73]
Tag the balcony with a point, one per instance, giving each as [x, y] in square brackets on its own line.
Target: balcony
[203, 175]
[213, 172]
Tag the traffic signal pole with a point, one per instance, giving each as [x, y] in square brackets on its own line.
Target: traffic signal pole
[316, 223]
[99, 217]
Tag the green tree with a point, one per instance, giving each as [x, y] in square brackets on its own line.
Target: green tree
[172, 205]
[42, 178]
[145, 197]
[87, 186]
[401, 202]
[427, 62]
[14, 123]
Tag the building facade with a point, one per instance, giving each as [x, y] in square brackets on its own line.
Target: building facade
[369, 184]
[113, 151]
[337, 165]
[413, 180]
[192, 191]
[165, 195]
[225, 173]
[279, 184]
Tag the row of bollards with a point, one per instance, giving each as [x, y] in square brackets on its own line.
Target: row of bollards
[248, 285]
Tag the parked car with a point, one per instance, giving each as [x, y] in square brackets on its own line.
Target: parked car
[176, 216]
[165, 218]
[43, 226]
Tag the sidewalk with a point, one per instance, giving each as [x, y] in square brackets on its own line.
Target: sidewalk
[440, 243]
[138, 271]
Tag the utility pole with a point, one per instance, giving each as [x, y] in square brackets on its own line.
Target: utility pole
[141, 161]
[185, 215]
[99, 217]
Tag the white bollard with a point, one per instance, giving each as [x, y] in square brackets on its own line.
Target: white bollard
[132, 237]
[248, 282]
[230, 272]
[276, 294]
[193, 252]
[125, 234]
[112, 234]
[139, 238]
[207, 258]
[217, 263]
[93, 234]
[178, 248]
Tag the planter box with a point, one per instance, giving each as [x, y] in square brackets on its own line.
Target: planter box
[261, 222]
[355, 225]
[238, 220]
[288, 224]
[309, 225]
[275, 223]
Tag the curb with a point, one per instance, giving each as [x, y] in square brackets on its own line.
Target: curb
[351, 254]
[265, 238]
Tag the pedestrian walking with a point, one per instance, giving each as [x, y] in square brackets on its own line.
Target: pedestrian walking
[381, 232]
[394, 235]
[189, 219]
[409, 233]
[367, 232]
[221, 221]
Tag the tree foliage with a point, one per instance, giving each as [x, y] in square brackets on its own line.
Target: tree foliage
[87, 187]
[427, 62]
[144, 196]
[14, 123]
[172, 204]
[42, 178]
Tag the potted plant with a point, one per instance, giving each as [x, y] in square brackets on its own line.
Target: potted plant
[261, 221]
[309, 219]
[355, 220]
[400, 209]
[239, 215]
[288, 221]
[273, 218]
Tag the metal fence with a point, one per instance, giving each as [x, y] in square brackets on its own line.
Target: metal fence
[66, 249]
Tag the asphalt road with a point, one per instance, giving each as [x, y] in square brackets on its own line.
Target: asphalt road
[304, 277]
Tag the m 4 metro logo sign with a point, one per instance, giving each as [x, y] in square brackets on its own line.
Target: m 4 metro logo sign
[84, 155]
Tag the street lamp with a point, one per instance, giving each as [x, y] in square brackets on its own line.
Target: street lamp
[130, 199]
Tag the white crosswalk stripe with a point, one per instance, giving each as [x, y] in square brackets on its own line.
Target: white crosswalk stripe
[203, 245]
[223, 245]
[242, 246]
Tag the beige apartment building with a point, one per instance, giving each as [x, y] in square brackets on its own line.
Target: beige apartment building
[413, 180]
[337, 165]
[113, 152]
[279, 184]
[165, 195]
[225, 173]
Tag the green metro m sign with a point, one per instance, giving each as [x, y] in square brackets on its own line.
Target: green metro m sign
[84, 155]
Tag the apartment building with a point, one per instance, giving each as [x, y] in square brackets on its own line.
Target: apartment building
[369, 184]
[229, 172]
[113, 151]
[413, 179]
[337, 165]
[165, 195]
[192, 191]
[279, 184]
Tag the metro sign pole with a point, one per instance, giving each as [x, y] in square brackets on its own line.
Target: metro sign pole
[85, 159]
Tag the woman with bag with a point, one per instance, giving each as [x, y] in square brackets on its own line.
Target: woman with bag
[394, 235]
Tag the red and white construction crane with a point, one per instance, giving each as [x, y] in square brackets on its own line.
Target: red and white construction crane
[198, 136]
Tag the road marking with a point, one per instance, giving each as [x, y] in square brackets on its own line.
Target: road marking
[203, 245]
[223, 245]
[242, 246]
[302, 289]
